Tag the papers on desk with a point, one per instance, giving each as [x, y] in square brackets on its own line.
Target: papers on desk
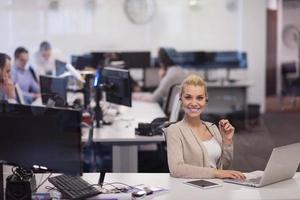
[115, 196]
[128, 194]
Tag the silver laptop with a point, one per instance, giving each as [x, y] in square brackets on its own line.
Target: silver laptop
[282, 165]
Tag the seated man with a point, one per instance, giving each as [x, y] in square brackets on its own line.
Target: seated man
[23, 77]
[7, 88]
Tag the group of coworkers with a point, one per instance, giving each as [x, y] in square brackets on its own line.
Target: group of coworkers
[195, 148]
[24, 73]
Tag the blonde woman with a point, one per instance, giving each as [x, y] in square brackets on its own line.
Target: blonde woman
[196, 148]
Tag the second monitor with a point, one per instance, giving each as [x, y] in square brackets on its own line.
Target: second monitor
[116, 83]
[55, 89]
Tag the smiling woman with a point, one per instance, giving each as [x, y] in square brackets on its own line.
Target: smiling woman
[199, 149]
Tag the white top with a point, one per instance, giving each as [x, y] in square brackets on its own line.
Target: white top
[214, 151]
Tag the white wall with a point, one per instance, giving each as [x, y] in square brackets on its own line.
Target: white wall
[77, 28]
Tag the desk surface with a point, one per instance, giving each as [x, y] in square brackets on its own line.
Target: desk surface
[289, 189]
[122, 129]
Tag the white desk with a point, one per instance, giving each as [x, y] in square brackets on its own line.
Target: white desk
[289, 189]
[122, 136]
[224, 98]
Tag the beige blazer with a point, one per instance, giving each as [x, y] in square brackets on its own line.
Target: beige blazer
[188, 157]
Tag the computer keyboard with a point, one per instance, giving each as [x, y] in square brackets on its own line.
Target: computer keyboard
[73, 187]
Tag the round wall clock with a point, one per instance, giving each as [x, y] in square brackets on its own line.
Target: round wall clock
[140, 11]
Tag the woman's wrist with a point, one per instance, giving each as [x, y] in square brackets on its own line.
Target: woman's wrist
[228, 141]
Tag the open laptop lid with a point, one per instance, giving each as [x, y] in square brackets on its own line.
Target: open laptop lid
[282, 165]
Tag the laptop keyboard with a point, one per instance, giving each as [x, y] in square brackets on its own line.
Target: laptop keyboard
[250, 182]
[254, 180]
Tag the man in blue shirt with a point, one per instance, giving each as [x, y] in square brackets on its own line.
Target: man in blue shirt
[23, 77]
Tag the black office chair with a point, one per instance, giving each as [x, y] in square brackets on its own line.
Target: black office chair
[290, 85]
[174, 90]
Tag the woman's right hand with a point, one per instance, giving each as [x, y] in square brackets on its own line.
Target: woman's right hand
[9, 88]
[231, 174]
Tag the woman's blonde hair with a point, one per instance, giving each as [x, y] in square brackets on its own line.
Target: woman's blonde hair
[194, 80]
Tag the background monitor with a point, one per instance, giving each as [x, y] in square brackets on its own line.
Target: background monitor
[60, 67]
[48, 137]
[230, 59]
[81, 62]
[140, 59]
[54, 88]
[193, 59]
[97, 59]
[214, 60]
[118, 85]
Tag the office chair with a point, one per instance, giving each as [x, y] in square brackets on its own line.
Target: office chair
[172, 95]
[290, 85]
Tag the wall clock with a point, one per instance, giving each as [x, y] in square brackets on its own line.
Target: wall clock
[140, 11]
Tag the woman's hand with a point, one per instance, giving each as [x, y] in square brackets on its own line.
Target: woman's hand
[229, 174]
[227, 130]
[8, 88]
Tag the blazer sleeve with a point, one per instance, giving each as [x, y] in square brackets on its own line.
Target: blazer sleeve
[177, 166]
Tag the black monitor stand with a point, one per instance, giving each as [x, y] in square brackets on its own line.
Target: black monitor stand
[1, 182]
[98, 111]
[228, 79]
[98, 117]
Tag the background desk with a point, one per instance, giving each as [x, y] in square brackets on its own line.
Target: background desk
[289, 189]
[121, 134]
[226, 98]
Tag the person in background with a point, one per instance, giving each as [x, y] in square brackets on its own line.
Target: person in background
[44, 59]
[196, 148]
[170, 74]
[23, 77]
[7, 88]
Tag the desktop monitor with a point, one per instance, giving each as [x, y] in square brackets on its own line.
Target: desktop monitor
[230, 59]
[49, 137]
[54, 88]
[140, 59]
[117, 85]
[60, 67]
[81, 62]
[193, 59]
[97, 59]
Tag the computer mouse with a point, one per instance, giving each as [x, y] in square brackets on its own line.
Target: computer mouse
[139, 193]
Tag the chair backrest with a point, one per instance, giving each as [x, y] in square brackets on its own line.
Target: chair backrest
[174, 115]
[172, 100]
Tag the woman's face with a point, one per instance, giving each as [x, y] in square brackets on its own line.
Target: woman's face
[5, 71]
[193, 100]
